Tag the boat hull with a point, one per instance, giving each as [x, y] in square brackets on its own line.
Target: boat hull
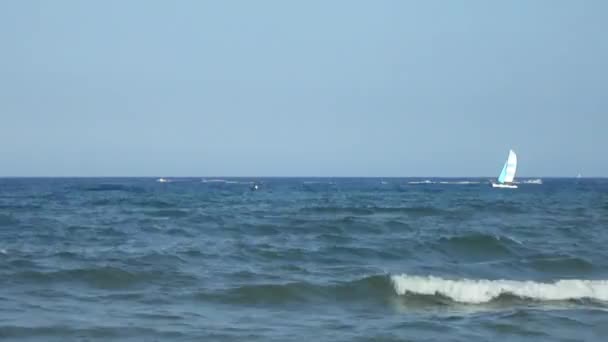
[503, 186]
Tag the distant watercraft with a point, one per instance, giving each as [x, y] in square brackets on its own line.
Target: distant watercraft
[505, 179]
[254, 187]
[162, 180]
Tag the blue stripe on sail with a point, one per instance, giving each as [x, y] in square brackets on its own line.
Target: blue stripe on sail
[503, 174]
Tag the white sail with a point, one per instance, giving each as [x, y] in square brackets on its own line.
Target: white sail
[511, 167]
[508, 171]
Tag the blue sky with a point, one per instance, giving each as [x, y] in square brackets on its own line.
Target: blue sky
[302, 88]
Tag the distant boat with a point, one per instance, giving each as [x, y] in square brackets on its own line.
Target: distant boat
[505, 179]
[162, 180]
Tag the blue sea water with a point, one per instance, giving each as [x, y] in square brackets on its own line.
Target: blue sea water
[338, 259]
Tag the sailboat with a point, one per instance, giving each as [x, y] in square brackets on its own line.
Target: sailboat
[505, 180]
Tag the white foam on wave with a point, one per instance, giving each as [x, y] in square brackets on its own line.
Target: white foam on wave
[482, 291]
[225, 181]
[214, 181]
[444, 182]
[421, 182]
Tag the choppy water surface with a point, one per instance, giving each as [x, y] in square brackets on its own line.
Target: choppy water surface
[329, 259]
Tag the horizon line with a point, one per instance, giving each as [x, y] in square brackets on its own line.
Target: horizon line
[371, 177]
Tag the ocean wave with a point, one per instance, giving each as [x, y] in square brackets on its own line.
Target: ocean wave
[560, 264]
[509, 207]
[153, 203]
[213, 180]
[473, 291]
[412, 291]
[427, 181]
[65, 332]
[168, 213]
[20, 206]
[224, 181]
[146, 203]
[339, 210]
[414, 210]
[477, 244]
[371, 210]
[372, 288]
[101, 277]
[114, 187]
[421, 182]
[359, 252]
[104, 277]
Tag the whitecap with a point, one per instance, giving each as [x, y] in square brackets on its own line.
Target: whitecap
[421, 182]
[479, 291]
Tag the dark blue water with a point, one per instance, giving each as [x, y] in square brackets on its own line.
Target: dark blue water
[327, 259]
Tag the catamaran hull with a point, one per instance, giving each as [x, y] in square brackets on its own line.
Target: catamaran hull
[504, 186]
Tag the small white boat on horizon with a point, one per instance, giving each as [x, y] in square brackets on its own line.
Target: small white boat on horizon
[505, 179]
[162, 180]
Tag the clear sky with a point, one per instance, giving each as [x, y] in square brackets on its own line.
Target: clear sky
[303, 88]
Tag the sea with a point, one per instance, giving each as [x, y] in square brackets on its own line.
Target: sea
[303, 259]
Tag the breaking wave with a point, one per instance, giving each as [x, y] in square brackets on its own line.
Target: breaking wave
[425, 291]
[224, 181]
[421, 182]
[482, 291]
[444, 182]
